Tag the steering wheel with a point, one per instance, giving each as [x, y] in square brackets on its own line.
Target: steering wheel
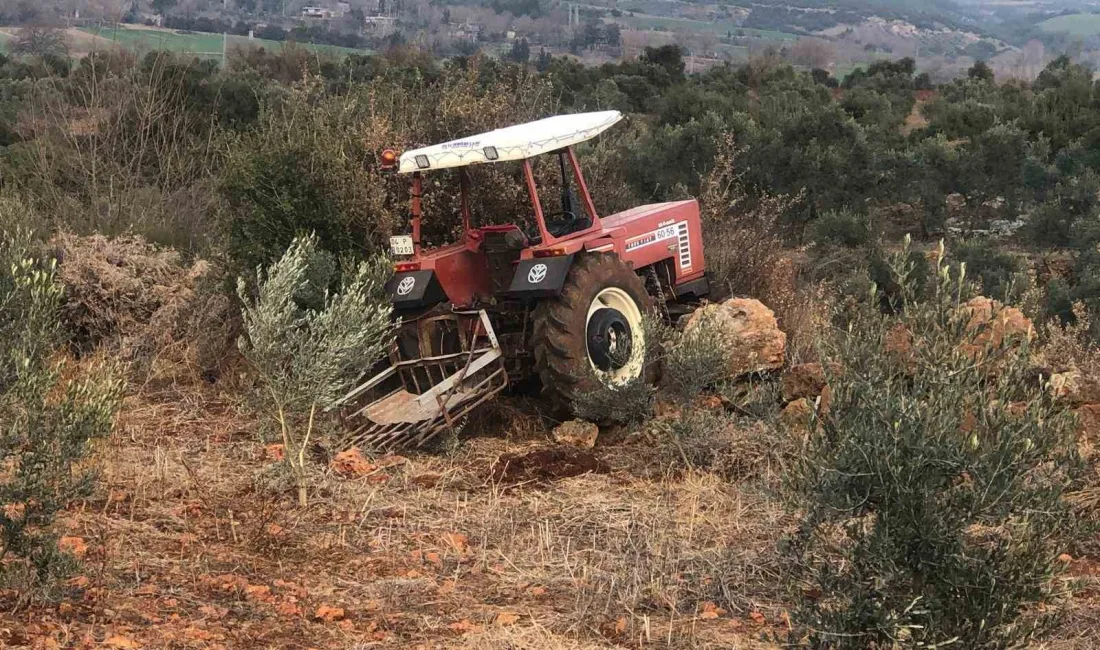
[567, 221]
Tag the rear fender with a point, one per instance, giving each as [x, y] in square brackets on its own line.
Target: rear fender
[652, 234]
[541, 277]
[415, 289]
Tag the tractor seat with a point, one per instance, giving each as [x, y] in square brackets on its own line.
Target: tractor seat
[501, 246]
[502, 239]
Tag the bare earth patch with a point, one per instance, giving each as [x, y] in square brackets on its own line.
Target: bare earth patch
[192, 544]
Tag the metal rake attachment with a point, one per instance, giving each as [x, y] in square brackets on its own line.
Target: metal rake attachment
[415, 400]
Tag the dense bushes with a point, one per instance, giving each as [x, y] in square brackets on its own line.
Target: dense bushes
[933, 487]
[289, 140]
[311, 162]
[302, 170]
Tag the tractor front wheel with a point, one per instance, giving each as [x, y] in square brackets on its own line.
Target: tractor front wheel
[592, 333]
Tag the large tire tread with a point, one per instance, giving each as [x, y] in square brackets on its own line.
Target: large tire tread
[559, 324]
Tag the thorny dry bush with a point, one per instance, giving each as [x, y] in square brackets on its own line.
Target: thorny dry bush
[746, 255]
[1072, 350]
[743, 237]
[168, 320]
[115, 149]
[1072, 347]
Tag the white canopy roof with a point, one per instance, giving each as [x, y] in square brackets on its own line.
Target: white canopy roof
[510, 143]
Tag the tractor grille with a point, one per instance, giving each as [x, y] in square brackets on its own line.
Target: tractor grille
[684, 240]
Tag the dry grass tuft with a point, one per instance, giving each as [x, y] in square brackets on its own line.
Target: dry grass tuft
[746, 255]
[744, 242]
[713, 441]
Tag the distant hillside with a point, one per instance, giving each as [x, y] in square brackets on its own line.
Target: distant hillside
[1073, 24]
[818, 15]
[204, 45]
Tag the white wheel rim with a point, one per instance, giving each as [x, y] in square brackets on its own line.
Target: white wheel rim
[619, 300]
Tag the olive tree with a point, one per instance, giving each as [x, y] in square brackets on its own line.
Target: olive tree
[308, 344]
[48, 423]
[932, 488]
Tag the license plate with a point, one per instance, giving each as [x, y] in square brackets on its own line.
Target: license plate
[401, 245]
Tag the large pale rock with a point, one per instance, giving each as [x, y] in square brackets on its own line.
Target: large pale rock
[577, 433]
[994, 324]
[747, 331]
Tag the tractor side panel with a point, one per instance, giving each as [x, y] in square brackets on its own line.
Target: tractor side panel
[655, 233]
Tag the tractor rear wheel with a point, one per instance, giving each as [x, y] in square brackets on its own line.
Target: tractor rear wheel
[592, 333]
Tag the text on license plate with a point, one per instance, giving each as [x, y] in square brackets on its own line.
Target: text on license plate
[401, 245]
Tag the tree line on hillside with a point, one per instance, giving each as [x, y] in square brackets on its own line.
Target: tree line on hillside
[883, 153]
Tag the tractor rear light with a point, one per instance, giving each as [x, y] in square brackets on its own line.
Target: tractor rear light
[389, 161]
[405, 267]
[550, 252]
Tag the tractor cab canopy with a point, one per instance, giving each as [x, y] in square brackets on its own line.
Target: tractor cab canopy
[517, 142]
[563, 211]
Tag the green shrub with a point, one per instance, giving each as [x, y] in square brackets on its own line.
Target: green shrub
[47, 423]
[306, 358]
[694, 361]
[932, 489]
[302, 170]
[893, 291]
[1002, 275]
[1084, 287]
[1058, 301]
[627, 403]
[1069, 213]
[842, 228]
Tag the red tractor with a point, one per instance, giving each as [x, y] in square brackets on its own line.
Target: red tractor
[562, 299]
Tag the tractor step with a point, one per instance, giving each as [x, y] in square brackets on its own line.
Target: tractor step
[383, 414]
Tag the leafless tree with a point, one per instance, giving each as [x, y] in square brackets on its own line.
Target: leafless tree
[40, 40]
[812, 53]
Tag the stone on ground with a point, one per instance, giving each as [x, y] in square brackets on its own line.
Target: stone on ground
[748, 333]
